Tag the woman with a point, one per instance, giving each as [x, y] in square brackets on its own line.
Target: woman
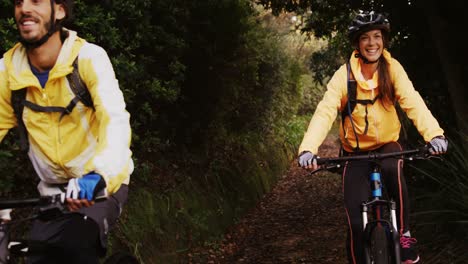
[372, 125]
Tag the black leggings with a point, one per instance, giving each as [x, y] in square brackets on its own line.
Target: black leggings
[356, 189]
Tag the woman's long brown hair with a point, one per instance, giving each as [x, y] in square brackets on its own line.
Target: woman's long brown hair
[386, 88]
[385, 84]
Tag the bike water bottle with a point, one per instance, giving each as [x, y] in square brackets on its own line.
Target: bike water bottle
[376, 184]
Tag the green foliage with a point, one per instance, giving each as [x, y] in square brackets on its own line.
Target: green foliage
[442, 202]
[448, 178]
[312, 92]
[335, 54]
[199, 208]
[7, 25]
[296, 127]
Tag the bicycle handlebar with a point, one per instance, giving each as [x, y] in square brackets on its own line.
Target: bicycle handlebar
[334, 162]
[32, 202]
[423, 152]
[43, 201]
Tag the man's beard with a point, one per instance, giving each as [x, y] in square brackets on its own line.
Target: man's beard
[36, 42]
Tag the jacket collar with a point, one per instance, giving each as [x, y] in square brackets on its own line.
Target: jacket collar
[19, 70]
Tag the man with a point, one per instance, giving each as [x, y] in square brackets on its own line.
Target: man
[84, 150]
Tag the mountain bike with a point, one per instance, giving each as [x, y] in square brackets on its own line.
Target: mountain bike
[43, 208]
[379, 222]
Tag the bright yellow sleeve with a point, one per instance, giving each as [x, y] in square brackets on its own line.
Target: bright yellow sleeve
[7, 117]
[412, 103]
[113, 157]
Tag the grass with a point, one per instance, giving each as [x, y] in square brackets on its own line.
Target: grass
[441, 215]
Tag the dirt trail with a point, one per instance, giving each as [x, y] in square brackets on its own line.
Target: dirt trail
[300, 221]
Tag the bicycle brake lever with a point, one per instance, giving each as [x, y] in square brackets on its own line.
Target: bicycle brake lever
[101, 196]
[325, 167]
[424, 156]
[439, 157]
[333, 166]
[316, 170]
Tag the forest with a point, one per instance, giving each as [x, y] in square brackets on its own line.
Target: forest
[220, 94]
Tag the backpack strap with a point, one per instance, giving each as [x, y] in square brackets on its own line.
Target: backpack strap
[350, 105]
[18, 101]
[79, 88]
[352, 93]
[17, 97]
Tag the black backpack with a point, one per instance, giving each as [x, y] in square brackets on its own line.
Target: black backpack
[18, 102]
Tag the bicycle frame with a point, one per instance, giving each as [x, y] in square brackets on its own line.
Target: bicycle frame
[375, 203]
[49, 207]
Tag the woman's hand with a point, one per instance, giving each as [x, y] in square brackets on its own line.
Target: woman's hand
[438, 145]
[307, 160]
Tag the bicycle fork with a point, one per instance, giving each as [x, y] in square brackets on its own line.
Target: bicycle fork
[376, 189]
[376, 204]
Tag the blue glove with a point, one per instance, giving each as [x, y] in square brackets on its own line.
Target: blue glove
[438, 145]
[86, 187]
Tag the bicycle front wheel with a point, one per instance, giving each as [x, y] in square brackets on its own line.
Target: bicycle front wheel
[378, 249]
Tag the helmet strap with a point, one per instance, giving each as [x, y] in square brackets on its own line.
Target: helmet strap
[51, 30]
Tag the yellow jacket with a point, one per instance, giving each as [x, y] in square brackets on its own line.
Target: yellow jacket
[384, 125]
[82, 141]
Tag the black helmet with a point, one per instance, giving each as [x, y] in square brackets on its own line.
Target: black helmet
[365, 21]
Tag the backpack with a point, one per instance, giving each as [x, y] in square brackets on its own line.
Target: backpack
[351, 104]
[18, 102]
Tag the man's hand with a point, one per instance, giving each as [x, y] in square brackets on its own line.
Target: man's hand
[438, 145]
[76, 204]
[307, 160]
[82, 191]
